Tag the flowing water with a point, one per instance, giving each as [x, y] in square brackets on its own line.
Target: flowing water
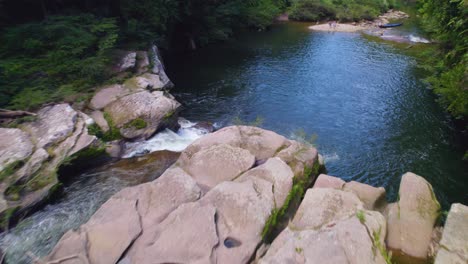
[373, 116]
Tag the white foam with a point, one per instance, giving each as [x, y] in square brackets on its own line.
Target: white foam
[417, 39]
[330, 157]
[166, 140]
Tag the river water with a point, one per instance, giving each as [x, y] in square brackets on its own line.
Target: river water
[373, 117]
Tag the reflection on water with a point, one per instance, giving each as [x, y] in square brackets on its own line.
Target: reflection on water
[374, 117]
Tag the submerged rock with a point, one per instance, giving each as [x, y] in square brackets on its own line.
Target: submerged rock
[454, 244]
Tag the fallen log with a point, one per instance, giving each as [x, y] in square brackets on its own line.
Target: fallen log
[4, 113]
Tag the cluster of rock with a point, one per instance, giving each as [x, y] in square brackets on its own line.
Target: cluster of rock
[31, 154]
[212, 205]
[141, 97]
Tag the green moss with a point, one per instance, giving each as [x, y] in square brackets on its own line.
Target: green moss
[5, 217]
[361, 216]
[41, 180]
[112, 134]
[10, 169]
[13, 193]
[300, 184]
[169, 115]
[381, 247]
[299, 250]
[137, 123]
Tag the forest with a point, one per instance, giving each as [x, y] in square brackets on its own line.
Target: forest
[56, 50]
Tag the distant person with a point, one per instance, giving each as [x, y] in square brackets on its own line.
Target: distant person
[334, 24]
[330, 23]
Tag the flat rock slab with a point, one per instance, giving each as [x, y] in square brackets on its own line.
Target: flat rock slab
[107, 95]
[213, 165]
[53, 125]
[454, 243]
[15, 145]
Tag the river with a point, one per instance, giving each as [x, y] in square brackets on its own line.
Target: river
[373, 117]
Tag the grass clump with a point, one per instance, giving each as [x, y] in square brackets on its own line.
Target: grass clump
[296, 194]
[258, 122]
[10, 169]
[137, 123]
[361, 216]
[112, 134]
[5, 217]
[381, 247]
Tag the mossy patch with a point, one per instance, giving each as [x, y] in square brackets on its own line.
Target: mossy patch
[137, 123]
[279, 215]
[6, 216]
[10, 169]
[112, 134]
[381, 247]
[361, 216]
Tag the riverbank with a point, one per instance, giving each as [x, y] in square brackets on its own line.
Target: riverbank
[370, 27]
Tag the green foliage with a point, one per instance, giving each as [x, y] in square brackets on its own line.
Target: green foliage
[112, 134]
[5, 217]
[258, 122]
[301, 136]
[361, 216]
[344, 10]
[295, 195]
[137, 123]
[10, 169]
[47, 61]
[381, 247]
[446, 21]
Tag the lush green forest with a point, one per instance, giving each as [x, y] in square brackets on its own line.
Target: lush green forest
[343, 10]
[60, 49]
[447, 23]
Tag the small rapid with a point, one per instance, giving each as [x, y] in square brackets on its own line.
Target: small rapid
[82, 195]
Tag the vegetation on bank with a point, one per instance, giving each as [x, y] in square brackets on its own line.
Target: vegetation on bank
[447, 23]
[58, 51]
[342, 10]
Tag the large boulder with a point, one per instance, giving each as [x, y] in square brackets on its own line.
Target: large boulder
[15, 145]
[372, 197]
[330, 226]
[107, 95]
[454, 243]
[412, 218]
[54, 124]
[261, 143]
[211, 206]
[151, 110]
